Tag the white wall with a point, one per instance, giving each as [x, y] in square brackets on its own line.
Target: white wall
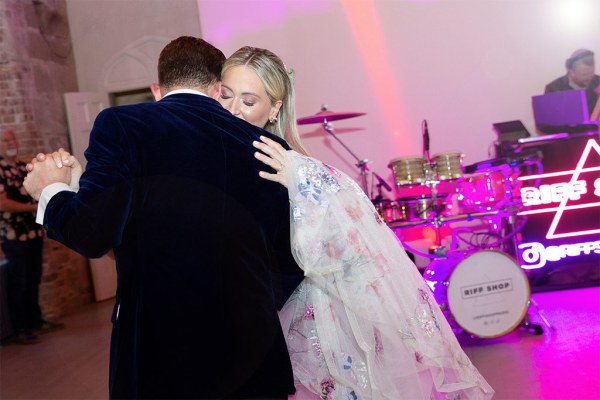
[103, 29]
[462, 65]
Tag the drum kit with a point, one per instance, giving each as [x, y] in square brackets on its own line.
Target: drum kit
[476, 280]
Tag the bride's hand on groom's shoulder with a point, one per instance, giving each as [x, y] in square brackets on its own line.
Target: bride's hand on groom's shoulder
[274, 155]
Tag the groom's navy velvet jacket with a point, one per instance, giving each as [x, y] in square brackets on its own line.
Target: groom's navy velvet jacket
[202, 246]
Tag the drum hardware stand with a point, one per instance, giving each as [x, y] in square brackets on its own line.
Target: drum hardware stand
[540, 312]
[360, 163]
[324, 117]
[381, 183]
[379, 197]
[527, 325]
[437, 249]
[431, 182]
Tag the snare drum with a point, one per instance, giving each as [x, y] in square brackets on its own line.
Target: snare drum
[408, 170]
[448, 166]
[482, 190]
[485, 293]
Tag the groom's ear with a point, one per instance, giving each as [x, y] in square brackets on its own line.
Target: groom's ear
[155, 91]
[215, 91]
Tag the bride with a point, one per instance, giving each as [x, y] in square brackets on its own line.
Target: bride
[362, 324]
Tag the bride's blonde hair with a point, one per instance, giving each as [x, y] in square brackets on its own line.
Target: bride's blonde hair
[277, 81]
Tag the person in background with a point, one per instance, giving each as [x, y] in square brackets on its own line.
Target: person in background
[201, 242]
[580, 75]
[22, 244]
[363, 324]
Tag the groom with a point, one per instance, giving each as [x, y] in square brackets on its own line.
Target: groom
[201, 241]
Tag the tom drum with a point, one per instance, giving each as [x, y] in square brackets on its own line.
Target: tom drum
[482, 190]
[408, 170]
[448, 166]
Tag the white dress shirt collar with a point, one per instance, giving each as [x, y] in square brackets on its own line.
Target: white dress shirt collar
[188, 91]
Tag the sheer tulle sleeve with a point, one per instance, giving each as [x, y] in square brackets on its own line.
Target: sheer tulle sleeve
[363, 324]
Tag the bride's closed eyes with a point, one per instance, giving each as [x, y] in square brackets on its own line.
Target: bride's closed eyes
[247, 99]
[243, 95]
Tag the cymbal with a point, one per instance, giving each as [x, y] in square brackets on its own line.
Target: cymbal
[326, 116]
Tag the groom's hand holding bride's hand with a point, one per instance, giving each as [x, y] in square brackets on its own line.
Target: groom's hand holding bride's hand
[273, 155]
[46, 169]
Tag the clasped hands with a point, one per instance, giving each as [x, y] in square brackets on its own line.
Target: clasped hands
[46, 169]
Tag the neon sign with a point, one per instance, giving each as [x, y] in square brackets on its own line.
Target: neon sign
[536, 255]
[573, 196]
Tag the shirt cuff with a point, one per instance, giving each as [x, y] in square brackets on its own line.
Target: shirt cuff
[47, 193]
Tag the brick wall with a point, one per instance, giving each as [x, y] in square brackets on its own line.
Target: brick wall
[36, 68]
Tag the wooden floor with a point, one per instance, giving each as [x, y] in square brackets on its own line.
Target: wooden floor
[561, 364]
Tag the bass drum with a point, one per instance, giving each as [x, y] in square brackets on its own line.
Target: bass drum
[485, 293]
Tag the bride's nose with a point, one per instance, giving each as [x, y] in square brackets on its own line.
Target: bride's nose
[234, 108]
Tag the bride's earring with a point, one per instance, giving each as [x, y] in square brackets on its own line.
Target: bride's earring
[273, 119]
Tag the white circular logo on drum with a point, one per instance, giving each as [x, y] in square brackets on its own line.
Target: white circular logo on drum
[487, 293]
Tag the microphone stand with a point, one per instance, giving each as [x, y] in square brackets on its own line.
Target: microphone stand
[360, 163]
[431, 182]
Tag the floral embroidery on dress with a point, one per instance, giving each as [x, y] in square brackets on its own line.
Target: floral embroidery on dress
[327, 388]
[297, 213]
[310, 191]
[418, 357]
[317, 179]
[406, 334]
[314, 341]
[374, 286]
[347, 362]
[354, 212]
[426, 299]
[378, 344]
[309, 312]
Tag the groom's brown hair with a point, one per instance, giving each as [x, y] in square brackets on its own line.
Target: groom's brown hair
[189, 62]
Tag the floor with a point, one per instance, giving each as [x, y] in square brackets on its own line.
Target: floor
[560, 364]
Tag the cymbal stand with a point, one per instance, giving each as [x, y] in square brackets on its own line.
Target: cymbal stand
[360, 163]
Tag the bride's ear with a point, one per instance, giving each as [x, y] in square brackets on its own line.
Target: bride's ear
[275, 110]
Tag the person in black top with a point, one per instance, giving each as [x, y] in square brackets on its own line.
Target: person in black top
[22, 242]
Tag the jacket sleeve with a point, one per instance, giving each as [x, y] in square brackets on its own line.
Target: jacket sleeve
[92, 220]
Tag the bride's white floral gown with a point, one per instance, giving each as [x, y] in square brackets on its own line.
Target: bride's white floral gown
[363, 324]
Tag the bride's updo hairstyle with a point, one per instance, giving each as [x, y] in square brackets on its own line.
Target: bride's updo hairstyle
[277, 81]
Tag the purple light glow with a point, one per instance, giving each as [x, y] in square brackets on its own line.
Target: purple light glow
[223, 21]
